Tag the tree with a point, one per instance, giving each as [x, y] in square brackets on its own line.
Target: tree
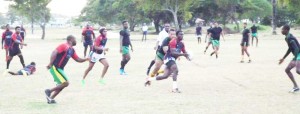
[34, 10]
[11, 15]
[173, 6]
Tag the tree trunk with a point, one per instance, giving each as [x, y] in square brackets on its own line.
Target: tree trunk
[32, 26]
[43, 26]
[236, 23]
[156, 25]
[175, 19]
[274, 17]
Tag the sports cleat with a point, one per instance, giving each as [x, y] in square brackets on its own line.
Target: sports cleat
[249, 61]
[242, 61]
[102, 81]
[147, 83]
[121, 71]
[51, 101]
[295, 89]
[176, 90]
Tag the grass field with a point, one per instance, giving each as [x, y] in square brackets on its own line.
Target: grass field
[208, 85]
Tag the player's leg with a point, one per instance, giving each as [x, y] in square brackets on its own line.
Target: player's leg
[21, 59]
[174, 70]
[105, 68]
[256, 41]
[158, 63]
[252, 39]
[247, 53]
[91, 65]
[6, 53]
[151, 64]
[242, 52]
[13, 73]
[85, 48]
[291, 65]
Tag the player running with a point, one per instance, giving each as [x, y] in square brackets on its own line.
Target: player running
[215, 33]
[87, 38]
[175, 48]
[23, 32]
[210, 38]
[159, 60]
[245, 43]
[162, 35]
[28, 70]
[14, 48]
[59, 58]
[98, 54]
[125, 42]
[6, 40]
[199, 33]
[294, 47]
[254, 34]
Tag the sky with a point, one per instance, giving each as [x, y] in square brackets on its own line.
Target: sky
[62, 7]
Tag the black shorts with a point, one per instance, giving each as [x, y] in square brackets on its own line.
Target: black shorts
[14, 52]
[245, 44]
[170, 63]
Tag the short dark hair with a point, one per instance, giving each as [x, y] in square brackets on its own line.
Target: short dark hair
[286, 27]
[178, 32]
[17, 27]
[6, 25]
[124, 21]
[101, 30]
[70, 37]
[32, 63]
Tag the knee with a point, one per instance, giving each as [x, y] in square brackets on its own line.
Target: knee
[66, 84]
[287, 70]
[106, 65]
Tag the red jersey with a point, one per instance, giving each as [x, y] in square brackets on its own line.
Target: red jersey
[88, 33]
[100, 41]
[178, 45]
[64, 53]
[13, 44]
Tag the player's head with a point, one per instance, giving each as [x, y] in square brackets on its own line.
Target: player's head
[18, 29]
[71, 40]
[144, 24]
[32, 63]
[245, 24]
[216, 24]
[103, 31]
[254, 23]
[285, 29]
[172, 33]
[179, 35]
[167, 26]
[125, 24]
[88, 26]
[7, 26]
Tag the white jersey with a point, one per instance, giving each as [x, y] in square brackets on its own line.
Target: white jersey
[161, 36]
[145, 28]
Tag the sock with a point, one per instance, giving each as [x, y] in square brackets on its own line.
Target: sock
[151, 64]
[175, 85]
[22, 61]
[160, 71]
[122, 65]
[7, 64]
[152, 75]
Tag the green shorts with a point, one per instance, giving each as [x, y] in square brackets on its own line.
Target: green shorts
[254, 34]
[297, 58]
[160, 56]
[125, 50]
[58, 74]
[215, 43]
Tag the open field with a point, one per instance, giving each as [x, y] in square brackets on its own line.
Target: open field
[209, 85]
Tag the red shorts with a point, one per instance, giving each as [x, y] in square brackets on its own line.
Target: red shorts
[6, 46]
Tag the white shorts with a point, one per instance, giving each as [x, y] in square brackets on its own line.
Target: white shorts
[96, 57]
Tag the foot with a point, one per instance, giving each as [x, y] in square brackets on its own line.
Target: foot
[121, 71]
[242, 61]
[147, 83]
[102, 81]
[249, 61]
[51, 101]
[295, 89]
[124, 73]
[176, 90]
[204, 51]
[83, 82]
